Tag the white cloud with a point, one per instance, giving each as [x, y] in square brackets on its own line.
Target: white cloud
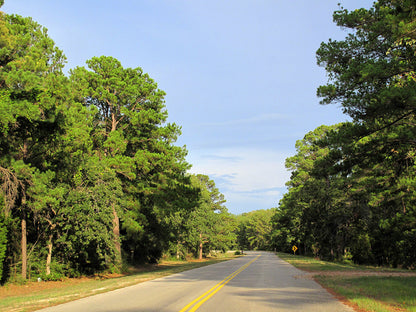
[249, 178]
[247, 121]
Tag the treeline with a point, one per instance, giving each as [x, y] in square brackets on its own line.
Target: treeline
[352, 192]
[254, 230]
[90, 176]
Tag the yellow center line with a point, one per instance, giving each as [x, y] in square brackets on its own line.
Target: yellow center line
[212, 291]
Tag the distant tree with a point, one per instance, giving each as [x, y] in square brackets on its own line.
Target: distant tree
[312, 213]
[210, 226]
[254, 229]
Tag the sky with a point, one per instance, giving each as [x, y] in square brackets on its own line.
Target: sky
[240, 76]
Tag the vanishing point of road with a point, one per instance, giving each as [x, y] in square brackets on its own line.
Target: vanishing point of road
[258, 282]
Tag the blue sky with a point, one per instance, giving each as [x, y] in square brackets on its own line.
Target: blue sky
[240, 76]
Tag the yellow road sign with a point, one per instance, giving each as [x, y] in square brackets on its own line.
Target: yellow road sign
[294, 248]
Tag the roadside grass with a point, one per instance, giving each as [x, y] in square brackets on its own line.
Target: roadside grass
[72, 289]
[312, 265]
[375, 293]
[379, 292]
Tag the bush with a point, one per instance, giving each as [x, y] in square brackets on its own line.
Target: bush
[54, 276]
[59, 271]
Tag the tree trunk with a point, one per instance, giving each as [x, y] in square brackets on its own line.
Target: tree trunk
[116, 221]
[113, 122]
[24, 231]
[24, 248]
[200, 246]
[132, 255]
[177, 250]
[116, 232]
[49, 257]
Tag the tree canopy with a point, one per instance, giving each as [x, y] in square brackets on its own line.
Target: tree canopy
[90, 174]
[91, 178]
[351, 194]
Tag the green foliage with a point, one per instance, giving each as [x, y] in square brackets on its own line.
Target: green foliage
[307, 213]
[130, 136]
[351, 190]
[86, 221]
[32, 97]
[209, 225]
[254, 229]
[88, 161]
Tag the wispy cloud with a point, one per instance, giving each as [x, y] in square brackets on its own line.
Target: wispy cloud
[222, 157]
[261, 192]
[240, 202]
[263, 118]
[249, 178]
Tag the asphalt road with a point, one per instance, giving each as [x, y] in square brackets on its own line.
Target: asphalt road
[259, 282]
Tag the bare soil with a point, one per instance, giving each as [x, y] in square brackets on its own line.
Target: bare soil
[33, 287]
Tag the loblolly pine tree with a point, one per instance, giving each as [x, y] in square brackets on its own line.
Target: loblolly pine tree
[131, 138]
[372, 75]
[30, 73]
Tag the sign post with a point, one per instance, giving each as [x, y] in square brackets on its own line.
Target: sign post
[294, 248]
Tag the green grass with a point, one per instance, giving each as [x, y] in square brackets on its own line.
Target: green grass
[311, 264]
[374, 293]
[378, 293]
[72, 291]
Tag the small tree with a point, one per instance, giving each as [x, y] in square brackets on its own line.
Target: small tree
[209, 225]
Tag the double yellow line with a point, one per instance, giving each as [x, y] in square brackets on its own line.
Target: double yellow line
[195, 304]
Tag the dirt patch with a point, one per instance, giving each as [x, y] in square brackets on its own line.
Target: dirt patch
[33, 287]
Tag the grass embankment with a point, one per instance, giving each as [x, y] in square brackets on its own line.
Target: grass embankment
[364, 288]
[33, 295]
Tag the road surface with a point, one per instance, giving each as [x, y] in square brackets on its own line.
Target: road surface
[258, 282]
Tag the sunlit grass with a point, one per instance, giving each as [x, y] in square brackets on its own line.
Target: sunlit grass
[375, 293]
[312, 264]
[370, 293]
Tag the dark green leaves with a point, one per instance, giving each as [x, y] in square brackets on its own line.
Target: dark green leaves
[351, 187]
